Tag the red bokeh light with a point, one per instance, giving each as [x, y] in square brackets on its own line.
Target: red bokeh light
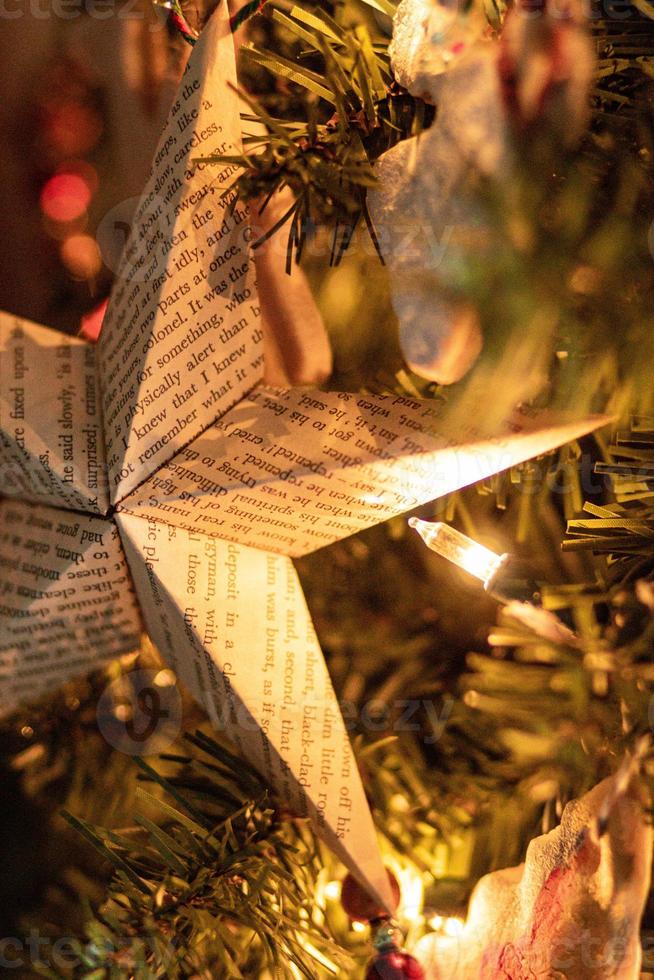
[65, 197]
[70, 129]
[83, 169]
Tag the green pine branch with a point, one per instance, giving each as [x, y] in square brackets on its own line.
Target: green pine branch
[347, 111]
[211, 875]
[621, 532]
[221, 882]
[325, 73]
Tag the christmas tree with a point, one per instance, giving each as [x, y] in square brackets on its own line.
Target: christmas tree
[433, 224]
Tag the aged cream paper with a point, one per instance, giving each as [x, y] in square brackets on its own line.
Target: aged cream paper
[66, 599]
[51, 444]
[284, 470]
[182, 340]
[233, 623]
[292, 470]
[181, 344]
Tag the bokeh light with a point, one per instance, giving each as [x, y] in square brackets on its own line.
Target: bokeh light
[65, 197]
[81, 256]
[71, 129]
[83, 169]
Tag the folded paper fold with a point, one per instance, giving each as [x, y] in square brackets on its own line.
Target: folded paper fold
[181, 340]
[66, 599]
[293, 470]
[51, 436]
[260, 677]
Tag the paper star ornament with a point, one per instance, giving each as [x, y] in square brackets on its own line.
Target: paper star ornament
[152, 483]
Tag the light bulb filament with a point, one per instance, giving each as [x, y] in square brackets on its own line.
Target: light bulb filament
[469, 555]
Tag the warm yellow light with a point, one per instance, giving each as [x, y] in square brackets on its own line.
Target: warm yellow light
[318, 955]
[165, 678]
[399, 803]
[333, 890]
[449, 926]
[359, 927]
[412, 890]
[453, 927]
[459, 549]
[81, 256]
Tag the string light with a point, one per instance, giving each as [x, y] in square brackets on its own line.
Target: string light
[333, 890]
[469, 555]
[412, 894]
[453, 927]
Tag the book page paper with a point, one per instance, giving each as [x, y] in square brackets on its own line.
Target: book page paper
[293, 470]
[51, 444]
[234, 625]
[181, 340]
[66, 599]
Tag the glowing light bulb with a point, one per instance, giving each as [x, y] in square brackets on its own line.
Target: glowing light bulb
[447, 925]
[453, 926]
[333, 890]
[165, 678]
[459, 549]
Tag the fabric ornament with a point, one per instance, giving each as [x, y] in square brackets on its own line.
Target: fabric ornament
[571, 911]
[486, 91]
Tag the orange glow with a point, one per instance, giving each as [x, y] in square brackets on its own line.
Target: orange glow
[72, 129]
[83, 169]
[65, 197]
[472, 557]
[81, 256]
